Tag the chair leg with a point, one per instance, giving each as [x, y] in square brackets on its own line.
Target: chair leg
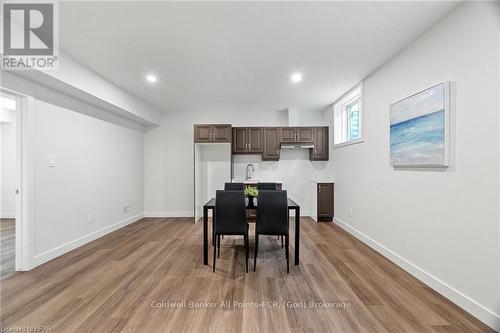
[245, 238]
[215, 252]
[218, 246]
[256, 250]
[213, 232]
[287, 255]
[281, 241]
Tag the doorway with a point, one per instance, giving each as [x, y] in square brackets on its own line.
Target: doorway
[9, 106]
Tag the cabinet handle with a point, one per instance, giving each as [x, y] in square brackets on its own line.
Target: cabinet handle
[276, 151]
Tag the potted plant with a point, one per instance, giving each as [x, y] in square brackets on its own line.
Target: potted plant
[251, 193]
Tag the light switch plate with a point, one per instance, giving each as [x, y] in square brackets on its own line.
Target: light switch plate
[52, 161]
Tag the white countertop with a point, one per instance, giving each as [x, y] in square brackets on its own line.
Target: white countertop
[322, 180]
[256, 180]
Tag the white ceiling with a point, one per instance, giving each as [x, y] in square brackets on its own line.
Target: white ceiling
[240, 55]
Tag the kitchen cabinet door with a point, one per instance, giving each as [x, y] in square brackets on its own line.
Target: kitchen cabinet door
[271, 150]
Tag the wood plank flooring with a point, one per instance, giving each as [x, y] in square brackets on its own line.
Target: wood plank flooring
[7, 246]
[124, 282]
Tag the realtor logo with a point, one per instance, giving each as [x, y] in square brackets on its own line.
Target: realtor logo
[29, 35]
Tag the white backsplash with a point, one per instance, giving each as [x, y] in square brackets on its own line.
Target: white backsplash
[294, 170]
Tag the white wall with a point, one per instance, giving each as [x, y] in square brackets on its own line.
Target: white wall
[212, 169]
[99, 169]
[168, 158]
[441, 225]
[293, 170]
[8, 175]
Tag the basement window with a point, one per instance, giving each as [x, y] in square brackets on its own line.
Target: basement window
[348, 118]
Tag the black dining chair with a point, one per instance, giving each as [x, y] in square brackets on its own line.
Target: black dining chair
[234, 186]
[272, 219]
[230, 218]
[267, 186]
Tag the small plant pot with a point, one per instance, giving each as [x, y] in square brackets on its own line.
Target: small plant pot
[250, 201]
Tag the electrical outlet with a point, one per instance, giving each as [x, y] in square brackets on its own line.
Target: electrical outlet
[126, 209]
[349, 211]
[90, 218]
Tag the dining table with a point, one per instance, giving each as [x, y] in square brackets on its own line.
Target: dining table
[210, 205]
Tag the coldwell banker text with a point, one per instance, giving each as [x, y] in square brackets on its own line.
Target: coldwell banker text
[29, 36]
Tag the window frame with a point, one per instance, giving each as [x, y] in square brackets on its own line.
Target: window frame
[343, 102]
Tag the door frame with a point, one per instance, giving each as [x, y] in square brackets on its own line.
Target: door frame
[24, 142]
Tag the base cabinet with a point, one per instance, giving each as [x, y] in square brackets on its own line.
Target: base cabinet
[325, 202]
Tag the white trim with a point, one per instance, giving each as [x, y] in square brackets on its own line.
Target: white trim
[348, 143]
[169, 214]
[7, 215]
[342, 102]
[65, 248]
[479, 311]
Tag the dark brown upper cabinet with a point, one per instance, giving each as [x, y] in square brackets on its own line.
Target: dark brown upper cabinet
[325, 202]
[247, 140]
[320, 152]
[271, 144]
[305, 134]
[296, 134]
[287, 134]
[213, 133]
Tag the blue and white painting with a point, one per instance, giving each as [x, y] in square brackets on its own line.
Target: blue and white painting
[418, 128]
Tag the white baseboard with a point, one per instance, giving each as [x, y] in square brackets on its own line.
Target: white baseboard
[479, 311]
[62, 249]
[7, 215]
[169, 214]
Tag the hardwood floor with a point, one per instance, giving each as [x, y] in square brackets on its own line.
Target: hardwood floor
[123, 281]
[7, 246]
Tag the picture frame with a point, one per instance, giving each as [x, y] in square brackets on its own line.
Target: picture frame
[419, 128]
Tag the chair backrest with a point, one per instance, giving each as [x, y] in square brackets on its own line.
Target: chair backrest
[234, 186]
[272, 213]
[267, 186]
[230, 213]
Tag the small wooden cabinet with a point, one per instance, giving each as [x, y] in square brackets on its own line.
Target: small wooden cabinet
[247, 140]
[325, 202]
[296, 134]
[212, 133]
[271, 150]
[320, 152]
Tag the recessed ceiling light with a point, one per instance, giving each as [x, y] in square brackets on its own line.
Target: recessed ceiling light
[151, 78]
[296, 77]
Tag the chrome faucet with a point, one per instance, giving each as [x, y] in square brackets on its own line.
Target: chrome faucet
[248, 176]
